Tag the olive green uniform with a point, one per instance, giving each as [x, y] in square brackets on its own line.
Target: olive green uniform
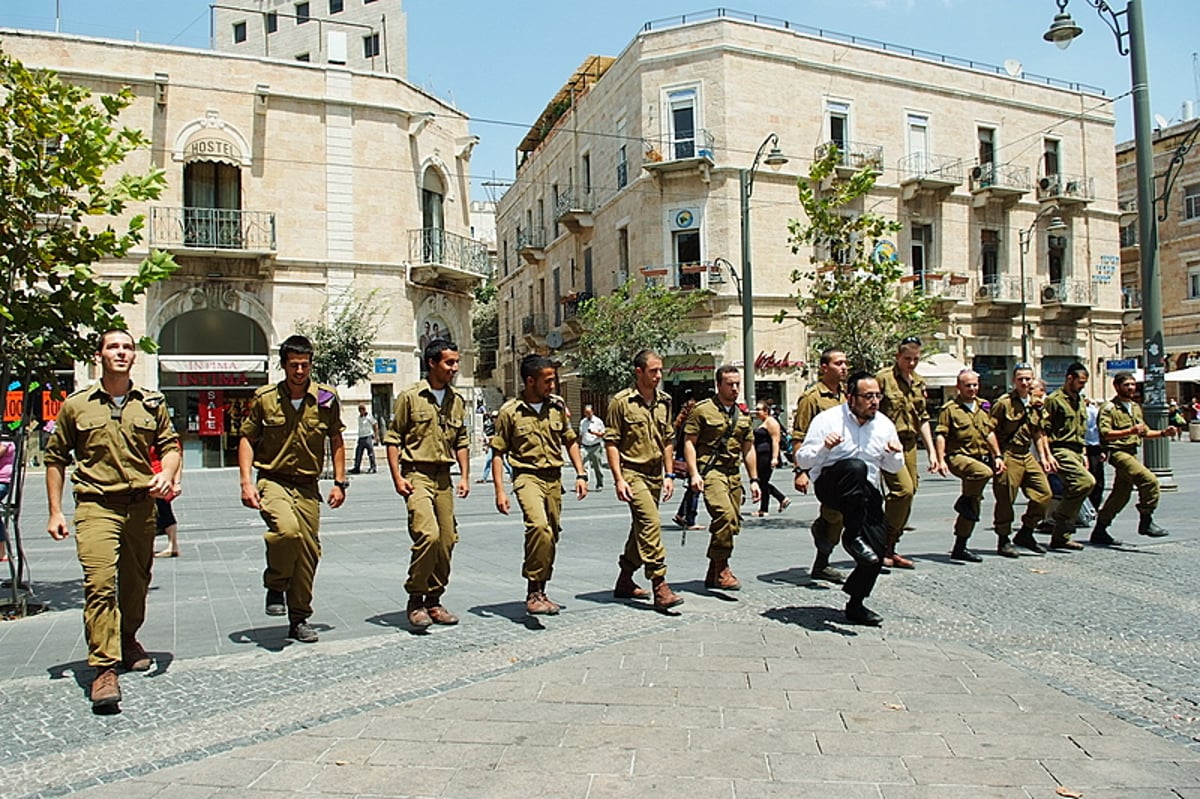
[533, 441]
[828, 530]
[964, 429]
[641, 432]
[114, 512]
[289, 454]
[1123, 455]
[904, 403]
[1016, 424]
[1065, 425]
[427, 437]
[720, 438]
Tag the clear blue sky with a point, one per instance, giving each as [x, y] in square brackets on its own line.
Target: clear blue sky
[501, 60]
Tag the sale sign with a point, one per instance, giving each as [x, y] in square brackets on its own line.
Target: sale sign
[212, 413]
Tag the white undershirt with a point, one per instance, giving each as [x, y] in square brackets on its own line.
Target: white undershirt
[537, 406]
[439, 395]
[119, 401]
[296, 403]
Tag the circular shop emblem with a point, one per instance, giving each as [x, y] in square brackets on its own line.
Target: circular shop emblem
[683, 218]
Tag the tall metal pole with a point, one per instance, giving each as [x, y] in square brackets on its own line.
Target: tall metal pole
[1023, 242]
[745, 178]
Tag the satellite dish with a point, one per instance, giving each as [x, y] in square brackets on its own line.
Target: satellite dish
[1013, 67]
[554, 339]
[1161, 121]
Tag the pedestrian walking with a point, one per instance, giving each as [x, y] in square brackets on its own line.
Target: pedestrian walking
[591, 437]
[904, 403]
[832, 370]
[368, 431]
[283, 440]
[532, 431]
[164, 513]
[1096, 456]
[845, 450]
[108, 430]
[1017, 427]
[427, 435]
[1065, 423]
[717, 439]
[768, 438]
[8, 456]
[1122, 428]
[689, 506]
[966, 449]
[638, 441]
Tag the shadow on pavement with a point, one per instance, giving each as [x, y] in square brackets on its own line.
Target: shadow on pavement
[397, 620]
[80, 671]
[56, 596]
[513, 611]
[698, 587]
[817, 618]
[272, 639]
[797, 575]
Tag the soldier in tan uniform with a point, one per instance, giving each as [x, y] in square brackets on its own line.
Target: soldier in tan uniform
[283, 438]
[1065, 424]
[966, 449]
[427, 435]
[1017, 428]
[638, 441]
[904, 403]
[717, 437]
[826, 394]
[532, 432]
[1122, 428]
[108, 430]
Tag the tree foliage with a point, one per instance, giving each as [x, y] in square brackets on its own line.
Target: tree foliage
[485, 321]
[60, 148]
[618, 326]
[343, 337]
[851, 296]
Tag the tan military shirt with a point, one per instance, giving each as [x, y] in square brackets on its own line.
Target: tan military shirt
[1065, 420]
[903, 402]
[1015, 423]
[816, 399]
[111, 445]
[641, 432]
[1115, 416]
[711, 424]
[425, 432]
[965, 430]
[533, 439]
[289, 442]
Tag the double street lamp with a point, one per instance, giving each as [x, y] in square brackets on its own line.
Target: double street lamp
[1131, 41]
[775, 159]
[1025, 238]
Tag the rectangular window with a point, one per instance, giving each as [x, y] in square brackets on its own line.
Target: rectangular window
[271, 21]
[1050, 161]
[683, 123]
[588, 285]
[302, 14]
[1193, 282]
[622, 255]
[989, 256]
[587, 174]
[922, 237]
[336, 6]
[557, 297]
[303, 57]
[687, 254]
[622, 167]
[987, 145]
[918, 134]
[239, 32]
[371, 45]
[555, 195]
[838, 115]
[1056, 250]
[1191, 202]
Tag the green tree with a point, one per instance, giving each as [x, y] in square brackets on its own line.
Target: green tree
[60, 150]
[617, 327]
[485, 324]
[851, 295]
[343, 337]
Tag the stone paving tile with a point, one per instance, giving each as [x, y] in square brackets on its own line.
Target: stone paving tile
[439, 754]
[783, 720]
[900, 721]
[954, 792]
[469, 784]
[387, 780]
[1123, 773]
[977, 771]
[1024, 723]
[699, 679]
[754, 741]
[503, 732]
[626, 736]
[287, 776]
[744, 697]
[842, 700]
[548, 712]
[567, 760]
[647, 696]
[661, 787]
[678, 717]
[1032, 746]
[757, 789]
[953, 703]
[717, 764]
[354, 751]
[830, 768]
[895, 744]
[1133, 747]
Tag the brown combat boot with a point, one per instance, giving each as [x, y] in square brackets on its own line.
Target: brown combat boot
[437, 612]
[664, 597]
[626, 588]
[720, 577]
[133, 655]
[418, 617]
[106, 690]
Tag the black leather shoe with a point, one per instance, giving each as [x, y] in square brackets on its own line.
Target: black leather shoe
[966, 509]
[828, 574]
[1025, 540]
[861, 614]
[964, 554]
[860, 550]
[1101, 538]
[1004, 547]
[1147, 527]
[276, 603]
[302, 632]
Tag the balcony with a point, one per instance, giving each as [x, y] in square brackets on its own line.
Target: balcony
[682, 277]
[946, 290]
[927, 173]
[853, 158]
[535, 325]
[679, 153]
[995, 295]
[219, 231]
[1066, 189]
[442, 259]
[1069, 293]
[572, 307]
[531, 244]
[573, 210]
[994, 181]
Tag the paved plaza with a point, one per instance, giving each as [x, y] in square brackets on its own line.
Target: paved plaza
[1076, 672]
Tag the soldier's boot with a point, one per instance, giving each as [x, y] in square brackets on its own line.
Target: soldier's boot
[1147, 527]
[720, 577]
[106, 689]
[133, 655]
[821, 570]
[960, 551]
[626, 588]
[664, 597]
[536, 601]
[1060, 539]
[418, 616]
[1004, 547]
[1025, 540]
[1100, 536]
[438, 613]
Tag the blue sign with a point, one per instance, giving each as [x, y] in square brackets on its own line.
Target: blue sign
[1123, 365]
[385, 366]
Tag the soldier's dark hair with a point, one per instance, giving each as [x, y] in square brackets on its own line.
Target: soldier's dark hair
[1076, 369]
[533, 365]
[434, 349]
[109, 332]
[1121, 377]
[294, 345]
[827, 355]
[856, 378]
[643, 357]
[724, 369]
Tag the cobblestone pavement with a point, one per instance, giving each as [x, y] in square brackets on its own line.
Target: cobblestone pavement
[1112, 629]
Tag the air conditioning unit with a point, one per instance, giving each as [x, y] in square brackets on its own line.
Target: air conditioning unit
[1050, 293]
[1045, 184]
[976, 173]
[986, 291]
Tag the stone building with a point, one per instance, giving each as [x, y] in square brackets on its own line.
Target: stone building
[291, 187]
[632, 171]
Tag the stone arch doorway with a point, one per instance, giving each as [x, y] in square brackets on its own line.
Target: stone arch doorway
[210, 362]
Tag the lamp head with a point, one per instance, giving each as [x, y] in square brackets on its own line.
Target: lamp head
[1063, 29]
[775, 159]
[1057, 225]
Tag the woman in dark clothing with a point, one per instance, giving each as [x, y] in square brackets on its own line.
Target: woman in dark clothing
[766, 451]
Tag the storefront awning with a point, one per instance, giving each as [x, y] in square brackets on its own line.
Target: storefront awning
[940, 369]
[228, 364]
[1189, 375]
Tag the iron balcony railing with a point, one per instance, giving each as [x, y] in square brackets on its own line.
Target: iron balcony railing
[574, 201]
[949, 286]
[212, 228]
[435, 246]
[531, 239]
[535, 324]
[1002, 288]
[929, 166]
[1131, 298]
[854, 155]
[1066, 187]
[1069, 292]
[992, 175]
[679, 276]
[679, 147]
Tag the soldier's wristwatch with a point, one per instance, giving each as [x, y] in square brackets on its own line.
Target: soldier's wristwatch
[342, 485]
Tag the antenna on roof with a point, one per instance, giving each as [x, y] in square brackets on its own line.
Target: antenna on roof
[1013, 67]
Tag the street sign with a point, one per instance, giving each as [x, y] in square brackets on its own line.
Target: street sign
[385, 366]
[1120, 365]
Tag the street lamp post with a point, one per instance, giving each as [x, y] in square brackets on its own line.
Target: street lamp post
[1131, 41]
[774, 159]
[1025, 238]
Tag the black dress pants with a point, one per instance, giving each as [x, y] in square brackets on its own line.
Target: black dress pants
[844, 487]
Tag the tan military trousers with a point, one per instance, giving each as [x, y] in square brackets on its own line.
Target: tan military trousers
[723, 495]
[644, 546]
[432, 528]
[901, 488]
[292, 512]
[540, 498]
[1077, 484]
[974, 475]
[1131, 473]
[1022, 472]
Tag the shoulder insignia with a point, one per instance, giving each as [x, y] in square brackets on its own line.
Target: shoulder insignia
[263, 390]
[325, 396]
[153, 400]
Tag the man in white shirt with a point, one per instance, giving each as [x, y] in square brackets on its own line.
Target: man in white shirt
[844, 450]
[367, 431]
[591, 438]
